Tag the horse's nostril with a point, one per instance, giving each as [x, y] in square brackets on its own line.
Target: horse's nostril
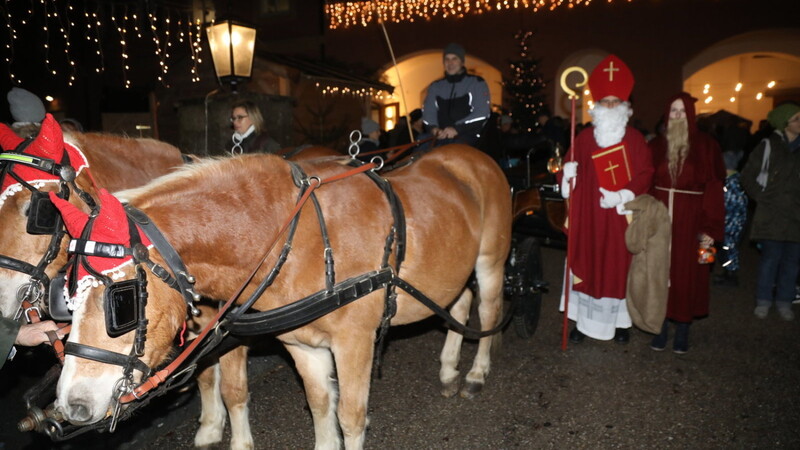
[78, 412]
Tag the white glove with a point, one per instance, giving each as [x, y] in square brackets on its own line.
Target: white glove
[570, 171]
[610, 199]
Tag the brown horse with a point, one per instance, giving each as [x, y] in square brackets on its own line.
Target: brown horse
[115, 162]
[220, 217]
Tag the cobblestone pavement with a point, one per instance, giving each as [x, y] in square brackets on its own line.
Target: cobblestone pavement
[738, 387]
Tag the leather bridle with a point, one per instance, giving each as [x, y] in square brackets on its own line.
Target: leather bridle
[30, 293]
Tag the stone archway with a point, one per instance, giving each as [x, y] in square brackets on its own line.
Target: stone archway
[421, 68]
[746, 75]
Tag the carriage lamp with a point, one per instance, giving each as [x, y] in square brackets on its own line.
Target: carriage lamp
[232, 47]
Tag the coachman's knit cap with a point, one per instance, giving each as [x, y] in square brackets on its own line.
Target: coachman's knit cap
[779, 117]
[455, 49]
[25, 106]
[368, 126]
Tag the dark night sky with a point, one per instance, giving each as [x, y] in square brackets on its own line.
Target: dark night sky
[33, 73]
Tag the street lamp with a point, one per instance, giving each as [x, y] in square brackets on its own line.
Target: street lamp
[232, 46]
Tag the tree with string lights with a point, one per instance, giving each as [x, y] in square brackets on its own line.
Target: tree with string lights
[524, 87]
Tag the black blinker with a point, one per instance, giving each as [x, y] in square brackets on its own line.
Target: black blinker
[42, 214]
[121, 307]
[57, 303]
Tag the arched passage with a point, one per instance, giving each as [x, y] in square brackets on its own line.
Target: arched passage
[421, 68]
[747, 74]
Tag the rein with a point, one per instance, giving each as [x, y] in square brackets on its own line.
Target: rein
[31, 293]
[162, 375]
[295, 314]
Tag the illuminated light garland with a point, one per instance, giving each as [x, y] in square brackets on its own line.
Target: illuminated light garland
[47, 40]
[65, 30]
[12, 36]
[162, 61]
[89, 19]
[123, 42]
[353, 13]
[377, 94]
[122, 19]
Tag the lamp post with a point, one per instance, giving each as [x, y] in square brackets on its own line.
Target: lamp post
[232, 47]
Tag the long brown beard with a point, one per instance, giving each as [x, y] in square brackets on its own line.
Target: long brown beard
[677, 146]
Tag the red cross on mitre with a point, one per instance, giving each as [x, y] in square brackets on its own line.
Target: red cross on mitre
[611, 77]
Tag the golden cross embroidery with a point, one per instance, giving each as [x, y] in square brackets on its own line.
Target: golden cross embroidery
[611, 167]
[611, 69]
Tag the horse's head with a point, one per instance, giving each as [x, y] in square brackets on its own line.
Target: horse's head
[119, 335]
[30, 169]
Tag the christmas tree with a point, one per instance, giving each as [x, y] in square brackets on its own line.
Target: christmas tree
[525, 85]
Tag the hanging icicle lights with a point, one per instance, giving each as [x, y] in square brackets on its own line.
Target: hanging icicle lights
[376, 94]
[343, 14]
[118, 25]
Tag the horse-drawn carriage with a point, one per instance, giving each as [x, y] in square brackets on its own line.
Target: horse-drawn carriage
[444, 218]
[539, 214]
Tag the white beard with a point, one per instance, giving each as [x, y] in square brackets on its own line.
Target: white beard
[609, 123]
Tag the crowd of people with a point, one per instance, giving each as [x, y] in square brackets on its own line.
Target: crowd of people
[694, 175]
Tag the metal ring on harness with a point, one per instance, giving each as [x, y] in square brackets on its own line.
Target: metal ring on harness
[308, 180]
[378, 161]
[67, 173]
[355, 137]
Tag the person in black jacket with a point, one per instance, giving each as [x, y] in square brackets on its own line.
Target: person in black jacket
[457, 106]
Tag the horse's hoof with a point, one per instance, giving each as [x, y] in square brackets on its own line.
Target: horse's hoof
[207, 436]
[471, 390]
[451, 388]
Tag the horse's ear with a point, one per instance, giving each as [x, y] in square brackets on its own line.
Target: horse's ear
[50, 141]
[111, 224]
[8, 139]
[74, 219]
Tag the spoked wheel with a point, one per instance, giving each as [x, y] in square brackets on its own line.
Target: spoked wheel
[527, 286]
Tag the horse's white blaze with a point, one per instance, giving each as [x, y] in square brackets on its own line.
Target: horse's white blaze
[10, 282]
[94, 390]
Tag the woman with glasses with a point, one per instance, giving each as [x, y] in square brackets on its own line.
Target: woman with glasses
[249, 135]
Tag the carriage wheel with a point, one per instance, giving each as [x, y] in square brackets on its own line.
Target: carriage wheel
[528, 297]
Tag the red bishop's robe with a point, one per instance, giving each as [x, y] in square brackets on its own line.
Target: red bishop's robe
[597, 251]
[697, 207]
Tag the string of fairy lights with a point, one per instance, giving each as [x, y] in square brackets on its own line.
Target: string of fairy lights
[354, 13]
[101, 24]
[331, 90]
[736, 93]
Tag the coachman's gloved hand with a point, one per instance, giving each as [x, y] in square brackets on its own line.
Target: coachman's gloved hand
[570, 170]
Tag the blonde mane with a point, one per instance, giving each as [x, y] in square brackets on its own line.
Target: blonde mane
[207, 171]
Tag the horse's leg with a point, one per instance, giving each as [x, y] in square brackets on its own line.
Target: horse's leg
[212, 415]
[233, 386]
[451, 352]
[315, 366]
[489, 272]
[353, 353]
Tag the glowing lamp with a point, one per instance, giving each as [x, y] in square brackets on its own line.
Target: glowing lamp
[232, 47]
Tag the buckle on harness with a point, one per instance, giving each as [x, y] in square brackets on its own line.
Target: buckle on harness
[31, 309]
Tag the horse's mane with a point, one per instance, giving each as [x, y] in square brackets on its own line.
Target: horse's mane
[114, 143]
[207, 171]
[121, 162]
